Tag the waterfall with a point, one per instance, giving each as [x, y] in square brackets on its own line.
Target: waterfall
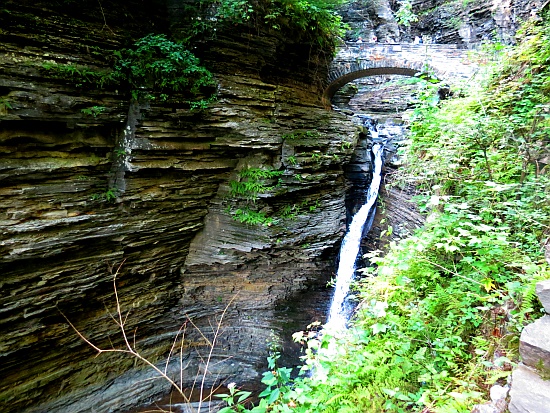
[338, 313]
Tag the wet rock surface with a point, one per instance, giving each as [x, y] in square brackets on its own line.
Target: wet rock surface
[386, 100]
[469, 23]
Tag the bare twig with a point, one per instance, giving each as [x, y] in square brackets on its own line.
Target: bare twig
[183, 327]
[121, 319]
[218, 327]
[129, 349]
[104, 18]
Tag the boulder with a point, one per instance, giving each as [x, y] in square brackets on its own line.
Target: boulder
[498, 401]
[543, 292]
[534, 345]
[529, 392]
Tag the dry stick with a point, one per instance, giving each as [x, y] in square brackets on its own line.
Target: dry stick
[206, 362]
[212, 389]
[129, 349]
[181, 360]
[198, 353]
[199, 330]
[183, 327]
[104, 19]
[212, 349]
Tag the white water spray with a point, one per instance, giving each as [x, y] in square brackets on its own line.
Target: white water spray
[350, 245]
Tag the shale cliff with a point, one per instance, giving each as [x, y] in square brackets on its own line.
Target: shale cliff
[468, 22]
[168, 228]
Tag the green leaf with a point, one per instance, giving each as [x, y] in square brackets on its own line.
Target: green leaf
[379, 328]
[273, 396]
[269, 379]
[243, 395]
[266, 392]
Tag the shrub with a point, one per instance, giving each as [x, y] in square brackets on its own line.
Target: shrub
[159, 68]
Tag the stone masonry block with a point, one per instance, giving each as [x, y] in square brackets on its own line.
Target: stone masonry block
[529, 393]
[534, 345]
[543, 292]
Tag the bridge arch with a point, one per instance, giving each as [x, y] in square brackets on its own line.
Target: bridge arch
[341, 76]
[356, 60]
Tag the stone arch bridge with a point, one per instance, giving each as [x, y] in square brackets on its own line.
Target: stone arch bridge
[357, 60]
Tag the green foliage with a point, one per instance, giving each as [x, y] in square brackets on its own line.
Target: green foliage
[235, 401]
[80, 75]
[159, 68]
[248, 216]
[301, 134]
[315, 20]
[346, 146]
[252, 182]
[156, 68]
[292, 211]
[405, 15]
[94, 111]
[108, 195]
[4, 104]
[256, 181]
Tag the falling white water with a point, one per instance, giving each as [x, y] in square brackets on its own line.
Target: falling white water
[350, 246]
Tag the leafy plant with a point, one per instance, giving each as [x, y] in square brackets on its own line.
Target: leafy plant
[159, 68]
[252, 182]
[315, 156]
[108, 195]
[94, 111]
[290, 211]
[301, 134]
[155, 68]
[248, 216]
[4, 104]
[315, 20]
[80, 75]
[235, 400]
[405, 15]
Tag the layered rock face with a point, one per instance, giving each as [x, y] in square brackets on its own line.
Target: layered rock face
[370, 19]
[471, 22]
[468, 23]
[92, 186]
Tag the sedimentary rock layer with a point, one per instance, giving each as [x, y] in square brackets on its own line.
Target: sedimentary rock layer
[83, 199]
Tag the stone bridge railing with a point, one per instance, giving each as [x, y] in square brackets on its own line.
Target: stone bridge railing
[357, 60]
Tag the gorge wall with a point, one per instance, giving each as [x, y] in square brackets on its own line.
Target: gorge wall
[468, 22]
[169, 229]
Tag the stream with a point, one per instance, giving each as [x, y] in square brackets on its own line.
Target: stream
[340, 308]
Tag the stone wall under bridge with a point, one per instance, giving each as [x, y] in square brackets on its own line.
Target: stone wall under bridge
[446, 62]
